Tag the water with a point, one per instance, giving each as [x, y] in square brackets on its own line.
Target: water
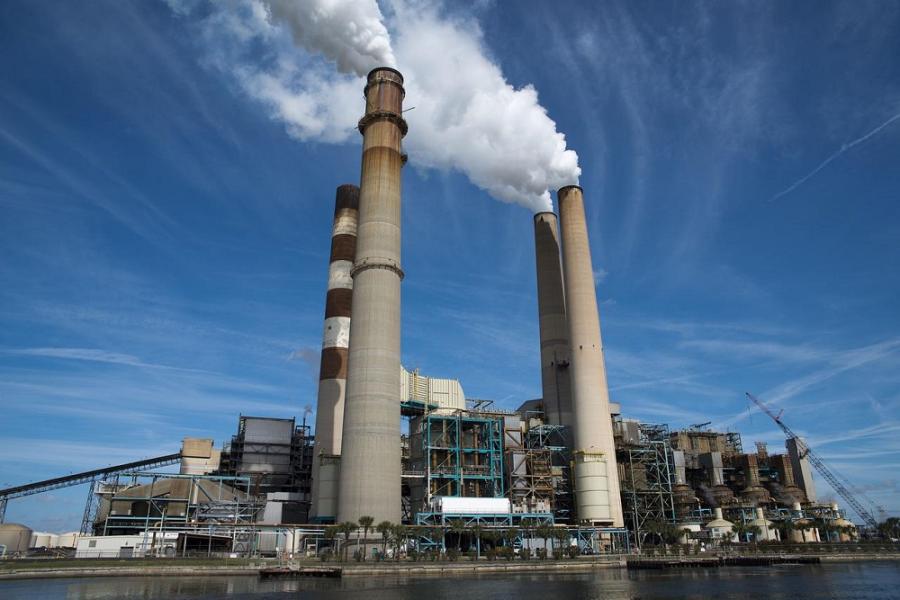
[856, 581]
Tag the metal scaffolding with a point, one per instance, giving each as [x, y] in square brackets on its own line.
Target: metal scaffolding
[147, 502]
[457, 455]
[547, 461]
[648, 470]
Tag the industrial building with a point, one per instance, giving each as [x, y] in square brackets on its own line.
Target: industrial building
[399, 446]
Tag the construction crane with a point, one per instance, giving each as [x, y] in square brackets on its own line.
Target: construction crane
[826, 472]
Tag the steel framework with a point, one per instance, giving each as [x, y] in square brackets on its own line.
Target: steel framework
[461, 455]
[171, 502]
[548, 457]
[649, 470]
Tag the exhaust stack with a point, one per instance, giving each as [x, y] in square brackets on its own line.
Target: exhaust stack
[370, 456]
[555, 385]
[596, 476]
[333, 368]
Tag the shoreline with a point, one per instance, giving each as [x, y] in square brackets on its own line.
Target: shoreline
[382, 569]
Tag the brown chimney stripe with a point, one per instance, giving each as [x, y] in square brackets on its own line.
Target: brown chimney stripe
[334, 363]
[338, 302]
[343, 247]
[347, 196]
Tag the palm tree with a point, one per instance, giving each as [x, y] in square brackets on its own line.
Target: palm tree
[400, 533]
[890, 528]
[347, 527]
[365, 522]
[458, 527]
[784, 529]
[477, 531]
[330, 532]
[740, 529]
[384, 528]
[544, 532]
[562, 536]
[527, 526]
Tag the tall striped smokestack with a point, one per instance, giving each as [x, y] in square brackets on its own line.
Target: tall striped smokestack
[335, 342]
[370, 457]
[596, 476]
[557, 399]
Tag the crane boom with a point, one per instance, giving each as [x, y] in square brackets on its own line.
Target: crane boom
[826, 472]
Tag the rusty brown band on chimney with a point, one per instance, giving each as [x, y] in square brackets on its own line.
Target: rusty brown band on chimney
[334, 363]
[343, 247]
[338, 302]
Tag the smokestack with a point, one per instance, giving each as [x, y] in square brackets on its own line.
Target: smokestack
[596, 476]
[370, 457]
[555, 386]
[333, 368]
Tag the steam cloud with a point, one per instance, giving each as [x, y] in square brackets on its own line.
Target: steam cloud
[306, 60]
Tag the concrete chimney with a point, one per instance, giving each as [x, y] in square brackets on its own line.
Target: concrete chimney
[596, 477]
[335, 342]
[370, 453]
[556, 389]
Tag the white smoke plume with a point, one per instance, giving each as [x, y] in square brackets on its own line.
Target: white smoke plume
[305, 60]
[350, 32]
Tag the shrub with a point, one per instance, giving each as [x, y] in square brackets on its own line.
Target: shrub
[525, 553]
[573, 552]
[452, 554]
[542, 553]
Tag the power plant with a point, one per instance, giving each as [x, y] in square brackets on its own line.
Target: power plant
[393, 445]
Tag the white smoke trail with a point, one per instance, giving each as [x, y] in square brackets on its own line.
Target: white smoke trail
[303, 60]
[828, 160]
[350, 32]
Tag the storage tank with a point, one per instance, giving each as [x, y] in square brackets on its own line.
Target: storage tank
[42, 539]
[767, 531]
[68, 540]
[721, 529]
[16, 537]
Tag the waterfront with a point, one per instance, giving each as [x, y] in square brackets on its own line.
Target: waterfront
[857, 581]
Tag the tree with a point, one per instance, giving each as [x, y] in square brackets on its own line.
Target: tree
[784, 529]
[458, 527]
[399, 534]
[528, 525]
[384, 528]
[740, 529]
[330, 533]
[477, 531]
[365, 522]
[890, 528]
[562, 536]
[347, 528]
[545, 532]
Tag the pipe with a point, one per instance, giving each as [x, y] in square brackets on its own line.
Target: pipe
[370, 453]
[555, 385]
[596, 475]
[335, 342]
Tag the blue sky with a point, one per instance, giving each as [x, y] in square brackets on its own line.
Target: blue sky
[164, 241]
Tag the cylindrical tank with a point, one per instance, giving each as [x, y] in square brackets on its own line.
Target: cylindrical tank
[370, 448]
[42, 539]
[68, 540]
[767, 531]
[16, 537]
[597, 494]
[720, 528]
